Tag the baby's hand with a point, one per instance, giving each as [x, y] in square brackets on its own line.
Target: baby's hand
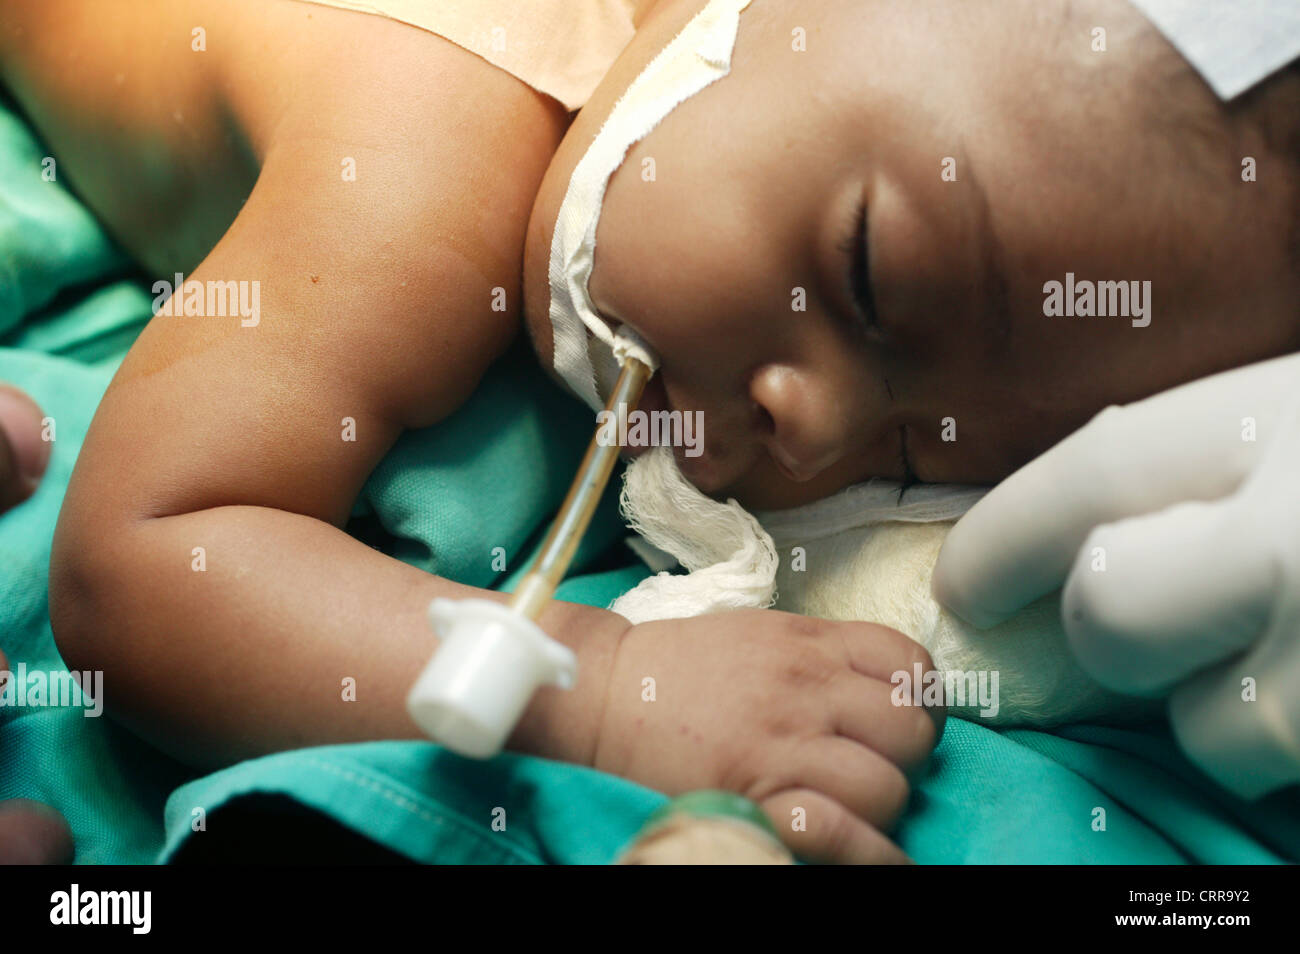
[790, 711]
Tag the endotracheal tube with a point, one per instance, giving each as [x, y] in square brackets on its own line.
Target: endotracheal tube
[492, 658]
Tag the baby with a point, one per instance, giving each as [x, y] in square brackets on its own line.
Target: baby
[777, 390]
[817, 169]
[926, 169]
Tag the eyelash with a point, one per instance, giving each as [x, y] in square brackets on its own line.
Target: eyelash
[910, 479]
[854, 247]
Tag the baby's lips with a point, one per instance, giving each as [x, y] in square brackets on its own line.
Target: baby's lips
[20, 422]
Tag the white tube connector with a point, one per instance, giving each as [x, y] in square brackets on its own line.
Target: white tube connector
[477, 685]
[492, 658]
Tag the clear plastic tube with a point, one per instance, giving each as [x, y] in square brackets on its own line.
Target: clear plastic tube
[538, 586]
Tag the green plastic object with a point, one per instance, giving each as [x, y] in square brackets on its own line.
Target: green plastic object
[712, 803]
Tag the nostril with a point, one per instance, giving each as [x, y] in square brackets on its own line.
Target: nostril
[799, 418]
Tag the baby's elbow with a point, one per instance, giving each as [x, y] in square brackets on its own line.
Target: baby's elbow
[82, 580]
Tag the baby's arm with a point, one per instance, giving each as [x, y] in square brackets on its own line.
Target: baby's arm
[375, 306]
[375, 299]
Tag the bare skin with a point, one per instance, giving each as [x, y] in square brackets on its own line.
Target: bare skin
[375, 306]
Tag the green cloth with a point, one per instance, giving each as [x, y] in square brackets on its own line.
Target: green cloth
[442, 499]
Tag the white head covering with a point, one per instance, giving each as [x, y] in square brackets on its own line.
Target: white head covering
[1233, 44]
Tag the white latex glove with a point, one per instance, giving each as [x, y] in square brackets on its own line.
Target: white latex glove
[1199, 530]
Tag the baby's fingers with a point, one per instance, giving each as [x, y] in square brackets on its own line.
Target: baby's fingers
[865, 711]
[819, 829]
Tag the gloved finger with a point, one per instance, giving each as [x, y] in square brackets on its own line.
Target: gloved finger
[1195, 442]
[1240, 722]
[1155, 598]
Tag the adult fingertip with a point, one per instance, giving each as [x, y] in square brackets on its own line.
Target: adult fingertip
[951, 588]
[20, 427]
[32, 833]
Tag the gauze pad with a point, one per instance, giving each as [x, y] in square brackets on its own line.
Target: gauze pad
[699, 55]
[729, 552]
[730, 557]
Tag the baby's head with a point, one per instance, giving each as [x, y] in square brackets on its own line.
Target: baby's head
[994, 150]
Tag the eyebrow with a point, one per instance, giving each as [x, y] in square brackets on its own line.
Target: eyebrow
[992, 259]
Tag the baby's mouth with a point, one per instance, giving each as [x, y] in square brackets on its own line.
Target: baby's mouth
[653, 398]
[705, 472]
[712, 460]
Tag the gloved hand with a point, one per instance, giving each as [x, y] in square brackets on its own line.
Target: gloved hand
[1174, 523]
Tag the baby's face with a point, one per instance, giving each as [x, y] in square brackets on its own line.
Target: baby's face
[728, 238]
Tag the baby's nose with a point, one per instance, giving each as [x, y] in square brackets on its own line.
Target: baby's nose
[808, 427]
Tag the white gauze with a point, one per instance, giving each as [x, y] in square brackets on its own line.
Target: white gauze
[732, 559]
[698, 56]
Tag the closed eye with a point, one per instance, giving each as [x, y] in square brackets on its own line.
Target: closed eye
[909, 475]
[855, 248]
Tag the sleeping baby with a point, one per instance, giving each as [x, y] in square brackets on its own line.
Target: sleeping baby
[835, 249]
[901, 302]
